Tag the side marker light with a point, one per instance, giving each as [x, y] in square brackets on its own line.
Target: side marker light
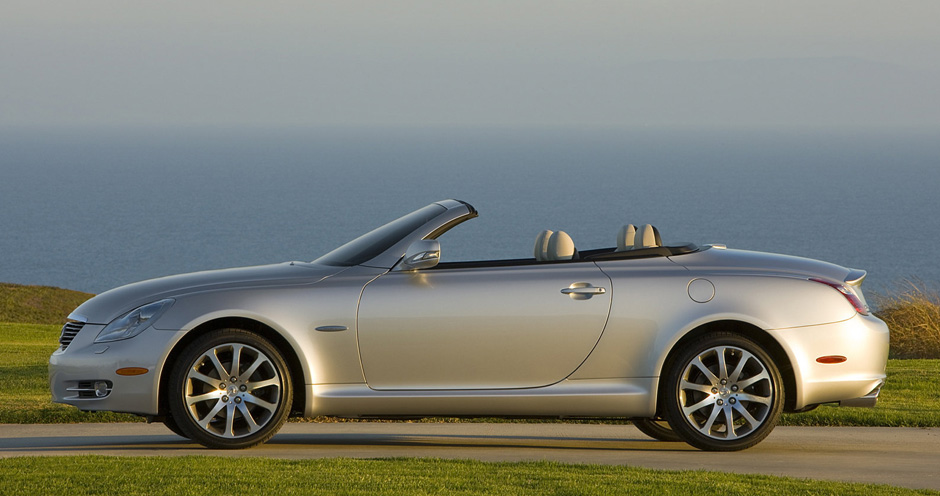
[831, 359]
[131, 371]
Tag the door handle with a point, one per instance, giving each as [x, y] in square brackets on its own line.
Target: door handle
[582, 291]
[331, 328]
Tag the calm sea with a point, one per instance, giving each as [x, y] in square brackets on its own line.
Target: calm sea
[91, 210]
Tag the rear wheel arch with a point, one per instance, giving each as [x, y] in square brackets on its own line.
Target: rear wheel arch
[748, 330]
[253, 326]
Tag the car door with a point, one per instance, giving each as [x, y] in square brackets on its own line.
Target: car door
[490, 327]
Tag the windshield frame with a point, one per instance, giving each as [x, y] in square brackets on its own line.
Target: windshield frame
[378, 240]
[385, 246]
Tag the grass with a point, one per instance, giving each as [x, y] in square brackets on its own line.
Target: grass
[911, 397]
[25, 397]
[207, 475]
[38, 304]
[913, 314]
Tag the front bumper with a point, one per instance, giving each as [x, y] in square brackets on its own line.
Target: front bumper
[862, 340]
[85, 375]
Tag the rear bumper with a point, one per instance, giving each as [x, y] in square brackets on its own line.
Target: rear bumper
[867, 401]
[862, 340]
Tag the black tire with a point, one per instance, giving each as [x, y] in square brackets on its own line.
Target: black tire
[723, 410]
[171, 424]
[657, 429]
[217, 412]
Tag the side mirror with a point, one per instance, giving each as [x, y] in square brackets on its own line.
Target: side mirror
[422, 254]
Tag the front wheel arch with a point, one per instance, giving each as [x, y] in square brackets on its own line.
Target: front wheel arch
[744, 329]
[265, 331]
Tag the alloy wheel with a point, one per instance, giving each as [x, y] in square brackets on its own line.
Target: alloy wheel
[726, 392]
[232, 390]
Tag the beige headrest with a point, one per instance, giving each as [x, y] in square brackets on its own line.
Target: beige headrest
[645, 237]
[625, 237]
[541, 245]
[560, 246]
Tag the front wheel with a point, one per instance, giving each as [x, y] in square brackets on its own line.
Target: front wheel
[230, 389]
[723, 393]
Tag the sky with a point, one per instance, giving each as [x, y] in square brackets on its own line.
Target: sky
[469, 63]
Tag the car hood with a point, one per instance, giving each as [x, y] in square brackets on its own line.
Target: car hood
[722, 260]
[111, 304]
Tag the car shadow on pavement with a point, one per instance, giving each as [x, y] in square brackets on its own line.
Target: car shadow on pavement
[476, 441]
[160, 444]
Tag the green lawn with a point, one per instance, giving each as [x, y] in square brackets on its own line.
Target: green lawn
[200, 476]
[911, 397]
[38, 304]
[24, 396]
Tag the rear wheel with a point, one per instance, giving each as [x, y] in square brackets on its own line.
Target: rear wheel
[230, 389]
[656, 428]
[723, 393]
[171, 424]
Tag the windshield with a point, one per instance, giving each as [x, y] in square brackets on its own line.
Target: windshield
[369, 245]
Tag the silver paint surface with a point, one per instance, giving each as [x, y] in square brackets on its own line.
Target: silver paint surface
[497, 339]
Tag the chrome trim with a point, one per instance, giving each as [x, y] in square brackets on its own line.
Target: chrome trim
[86, 389]
[587, 290]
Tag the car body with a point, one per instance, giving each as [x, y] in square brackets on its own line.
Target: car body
[701, 344]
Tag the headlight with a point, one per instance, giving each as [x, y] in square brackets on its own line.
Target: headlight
[134, 322]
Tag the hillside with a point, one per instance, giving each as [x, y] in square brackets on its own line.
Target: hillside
[38, 304]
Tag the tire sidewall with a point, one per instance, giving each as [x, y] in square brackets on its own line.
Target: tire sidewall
[653, 428]
[177, 386]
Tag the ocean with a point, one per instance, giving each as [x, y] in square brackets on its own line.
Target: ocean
[93, 209]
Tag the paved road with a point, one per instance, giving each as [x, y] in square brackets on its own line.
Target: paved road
[907, 457]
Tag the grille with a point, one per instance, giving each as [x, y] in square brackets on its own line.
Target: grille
[69, 331]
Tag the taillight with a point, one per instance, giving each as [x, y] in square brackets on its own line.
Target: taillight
[853, 300]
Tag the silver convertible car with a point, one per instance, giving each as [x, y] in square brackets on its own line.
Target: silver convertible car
[705, 345]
